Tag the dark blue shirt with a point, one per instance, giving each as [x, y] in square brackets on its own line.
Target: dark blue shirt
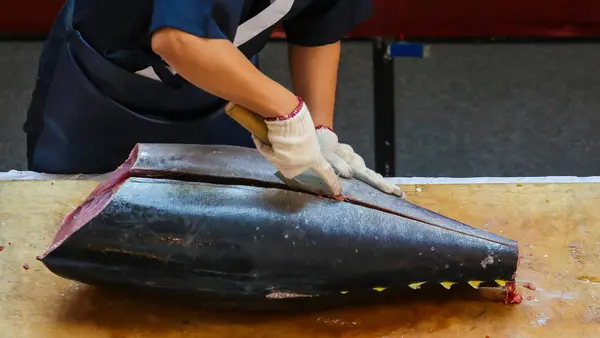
[121, 30]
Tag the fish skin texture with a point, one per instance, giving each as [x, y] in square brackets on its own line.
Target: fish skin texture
[213, 220]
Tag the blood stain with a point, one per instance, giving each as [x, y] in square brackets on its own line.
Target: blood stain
[26, 266]
[529, 285]
[529, 297]
[512, 296]
[1, 247]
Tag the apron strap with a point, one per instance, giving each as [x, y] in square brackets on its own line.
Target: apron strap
[165, 75]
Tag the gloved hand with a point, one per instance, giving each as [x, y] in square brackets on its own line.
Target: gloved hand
[349, 164]
[294, 146]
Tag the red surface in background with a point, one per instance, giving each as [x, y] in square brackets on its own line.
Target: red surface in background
[416, 18]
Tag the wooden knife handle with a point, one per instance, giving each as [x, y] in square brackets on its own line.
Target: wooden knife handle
[249, 120]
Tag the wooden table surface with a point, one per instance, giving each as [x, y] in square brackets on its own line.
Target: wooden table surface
[557, 225]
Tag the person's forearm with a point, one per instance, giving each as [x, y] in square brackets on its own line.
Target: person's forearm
[219, 68]
[314, 73]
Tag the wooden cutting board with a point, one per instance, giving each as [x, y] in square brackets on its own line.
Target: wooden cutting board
[557, 225]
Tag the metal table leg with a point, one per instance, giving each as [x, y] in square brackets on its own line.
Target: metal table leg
[383, 86]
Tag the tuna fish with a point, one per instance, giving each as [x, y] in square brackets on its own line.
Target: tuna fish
[213, 220]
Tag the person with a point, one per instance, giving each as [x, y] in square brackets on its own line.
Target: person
[114, 73]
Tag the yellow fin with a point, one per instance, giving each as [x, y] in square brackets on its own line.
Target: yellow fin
[379, 289]
[343, 292]
[416, 286]
[475, 283]
[501, 282]
[447, 285]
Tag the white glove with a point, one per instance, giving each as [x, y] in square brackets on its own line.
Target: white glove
[295, 148]
[349, 164]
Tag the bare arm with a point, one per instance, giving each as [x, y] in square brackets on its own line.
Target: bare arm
[219, 68]
[314, 73]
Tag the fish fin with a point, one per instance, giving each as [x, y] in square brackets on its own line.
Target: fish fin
[475, 283]
[501, 282]
[447, 285]
[416, 286]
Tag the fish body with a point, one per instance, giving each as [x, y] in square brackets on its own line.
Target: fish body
[206, 219]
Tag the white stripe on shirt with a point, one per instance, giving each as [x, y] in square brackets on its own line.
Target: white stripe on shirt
[246, 31]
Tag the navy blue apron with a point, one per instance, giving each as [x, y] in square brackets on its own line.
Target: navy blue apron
[82, 119]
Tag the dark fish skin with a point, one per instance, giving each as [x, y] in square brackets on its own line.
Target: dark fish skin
[247, 164]
[203, 219]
